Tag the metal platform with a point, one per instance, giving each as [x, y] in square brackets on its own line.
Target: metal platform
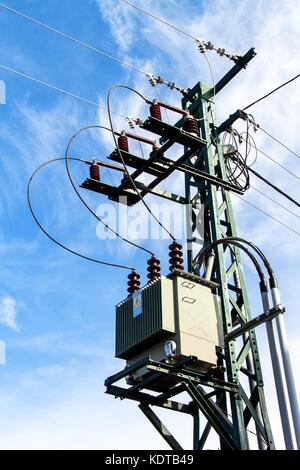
[171, 380]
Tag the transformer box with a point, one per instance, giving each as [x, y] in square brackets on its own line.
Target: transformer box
[168, 319]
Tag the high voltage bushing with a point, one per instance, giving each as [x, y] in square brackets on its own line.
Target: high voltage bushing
[123, 142]
[175, 254]
[133, 283]
[190, 125]
[153, 268]
[155, 110]
[94, 171]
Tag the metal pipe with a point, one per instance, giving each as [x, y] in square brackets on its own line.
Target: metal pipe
[109, 165]
[283, 341]
[209, 266]
[172, 108]
[140, 138]
[278, 376]
[252, 384]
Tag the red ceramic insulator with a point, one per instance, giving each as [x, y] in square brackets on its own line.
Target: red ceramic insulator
[123, 143]
[175, 254]
[153, 268]
[95, 172]
[190, 125]
[155, 111]
[133, 283]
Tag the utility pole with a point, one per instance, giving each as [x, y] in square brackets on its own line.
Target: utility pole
[229, 406]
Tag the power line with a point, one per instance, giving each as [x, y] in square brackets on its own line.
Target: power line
[267, 214]
[47, 233]
[160, 20]
[275, 202]
[148, 75]
[71, 38]
[67, 158]
[60, 90]
[166, 23]
[272, 159]
[132, 182]
[271, 92]
[279, 142]
[278, 164]
[273, 186]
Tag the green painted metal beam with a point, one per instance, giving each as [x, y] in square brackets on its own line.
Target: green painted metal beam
[200, 379]
[160, 427]
[262, 318]
[148, 399]
[235, 70]
[213, 414]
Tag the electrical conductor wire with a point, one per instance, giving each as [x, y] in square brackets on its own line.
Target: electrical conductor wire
[267, 214]
[88, 258]
[122, 159]
[82, 199]
[61, 90]
[271, 92]
[279, 142]
[67, 36]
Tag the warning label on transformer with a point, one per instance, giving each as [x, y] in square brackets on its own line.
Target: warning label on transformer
[137, 304]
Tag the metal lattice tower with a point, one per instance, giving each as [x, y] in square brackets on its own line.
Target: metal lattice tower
[228, 272]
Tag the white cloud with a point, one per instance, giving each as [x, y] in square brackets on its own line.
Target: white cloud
[8, 313]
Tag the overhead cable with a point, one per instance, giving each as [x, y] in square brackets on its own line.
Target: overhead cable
[67, 36]
[271, 92]
[61, 90]
[279, 142]
[67, 158]
[88, 258]
[267, 214]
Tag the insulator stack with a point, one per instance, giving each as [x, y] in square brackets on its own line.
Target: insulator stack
[123, 143]
[153, 268]
[175, 254]
[155, 111]
[133, 283]
[95, 172]
[190, 125]
[201, 46]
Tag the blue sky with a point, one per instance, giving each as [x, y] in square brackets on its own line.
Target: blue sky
[57, 311]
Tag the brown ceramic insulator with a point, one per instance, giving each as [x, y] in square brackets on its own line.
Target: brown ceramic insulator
[190, 125]
[133, 283]
[123, 143]
[153, 268]
[175, 254]
[155, 111]
[95, 172]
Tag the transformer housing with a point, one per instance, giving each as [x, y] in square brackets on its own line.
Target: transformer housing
[170, 318]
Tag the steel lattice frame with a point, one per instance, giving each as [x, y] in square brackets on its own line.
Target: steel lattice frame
[219, 223]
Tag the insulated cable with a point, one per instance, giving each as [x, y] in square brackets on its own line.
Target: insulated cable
[267, 214]
[122, 159]
[88, 258]
[231, 241]
[81, 198]
[271, 92]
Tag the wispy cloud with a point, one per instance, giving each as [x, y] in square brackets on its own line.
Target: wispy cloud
[8, 313]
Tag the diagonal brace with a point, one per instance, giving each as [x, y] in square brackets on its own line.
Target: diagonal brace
[211, 411]
[160, 427]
